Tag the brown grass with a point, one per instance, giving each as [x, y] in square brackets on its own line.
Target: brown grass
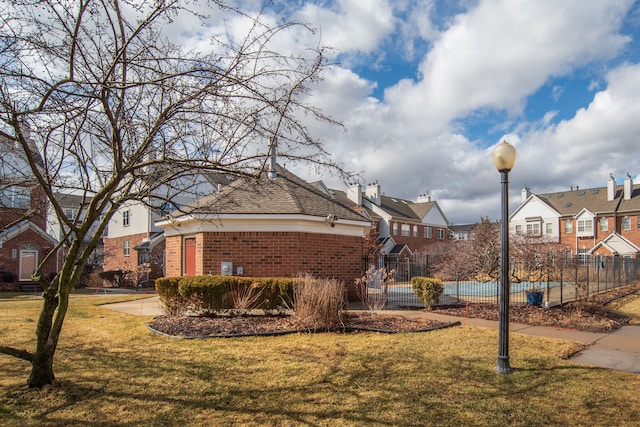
[318, 304]
[111, 370]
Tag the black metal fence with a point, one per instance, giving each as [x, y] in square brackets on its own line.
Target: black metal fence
[555, 282]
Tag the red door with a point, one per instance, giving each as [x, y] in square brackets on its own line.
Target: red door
[190, 256]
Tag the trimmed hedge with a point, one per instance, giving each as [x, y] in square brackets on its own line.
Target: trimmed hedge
[427, 289]
[211, 293]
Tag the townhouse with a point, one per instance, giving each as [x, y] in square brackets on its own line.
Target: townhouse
[403, 226]
[24, 242]
[595, 221]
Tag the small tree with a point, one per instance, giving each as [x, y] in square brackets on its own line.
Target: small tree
[101, 103]
[373, 288]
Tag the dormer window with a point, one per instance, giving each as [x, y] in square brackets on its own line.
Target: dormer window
[585, 226]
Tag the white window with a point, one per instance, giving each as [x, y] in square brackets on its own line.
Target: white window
[70, 213]
[126, 248]
[415, 231]
[126, 218]
[15, 197]
[585, 226]
[604, 224]
[626, 223]
[533, 228]
[406, 230]
[583, 256]
[548, 228]
[568, 226]
[440, 234]
[395, 228]
[427, 233]
[518, 229]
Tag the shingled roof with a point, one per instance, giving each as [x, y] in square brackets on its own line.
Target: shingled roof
[285, 194]
[572, 202]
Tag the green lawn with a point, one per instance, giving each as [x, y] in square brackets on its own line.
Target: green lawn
[111, 370]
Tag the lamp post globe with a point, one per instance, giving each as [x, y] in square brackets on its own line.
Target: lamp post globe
[504, 157]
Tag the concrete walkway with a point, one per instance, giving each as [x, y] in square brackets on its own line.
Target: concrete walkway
[618, 350]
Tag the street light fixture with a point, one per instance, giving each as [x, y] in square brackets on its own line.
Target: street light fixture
[504, 156]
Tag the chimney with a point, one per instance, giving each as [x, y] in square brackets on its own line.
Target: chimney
[524, 194]
[373, 193]
[628, 187]
[272, 172]
[423, 198]
[611, 188]
[354, 193]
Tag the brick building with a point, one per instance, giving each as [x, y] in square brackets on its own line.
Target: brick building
[24, 243]
[274, 226]
[596, 221]
[403, 227]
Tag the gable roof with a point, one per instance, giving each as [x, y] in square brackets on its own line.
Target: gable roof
[407, 210]
[286, 194]
[22, 226]
[617, 245]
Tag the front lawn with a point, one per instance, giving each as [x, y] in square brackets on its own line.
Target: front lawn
[112, 370]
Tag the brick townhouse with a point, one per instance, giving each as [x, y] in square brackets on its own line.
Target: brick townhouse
[24, 243]
[592, 221]
[403, 226]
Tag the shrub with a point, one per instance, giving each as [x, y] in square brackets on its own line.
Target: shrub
[427, 289]
[167, 289]
[318, 304]
[373, 287]
[117, 278]
[212, 294]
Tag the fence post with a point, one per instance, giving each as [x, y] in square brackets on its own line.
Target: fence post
[561, 281]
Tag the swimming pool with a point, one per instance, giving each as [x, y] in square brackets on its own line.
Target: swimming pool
[478, 289]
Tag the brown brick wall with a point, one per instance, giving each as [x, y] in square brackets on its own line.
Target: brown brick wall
[273, 254]
[38, 204]
[419, 243]
[633, 234]
[173, 253]
[114, 258]
[8, 263]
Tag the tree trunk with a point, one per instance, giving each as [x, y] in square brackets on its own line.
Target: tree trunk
[42, 369]
[46, 343]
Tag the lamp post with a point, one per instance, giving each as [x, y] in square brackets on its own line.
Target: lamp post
[504, 156]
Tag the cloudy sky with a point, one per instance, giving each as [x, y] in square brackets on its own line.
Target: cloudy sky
[426, 89]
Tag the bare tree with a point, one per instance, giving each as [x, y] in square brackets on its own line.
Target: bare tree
[116, 111]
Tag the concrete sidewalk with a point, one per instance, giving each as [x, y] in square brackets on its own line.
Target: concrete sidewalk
[618, 350]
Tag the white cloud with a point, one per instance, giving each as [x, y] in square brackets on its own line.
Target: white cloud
[600, 139]
[501, 51]
[351, 25]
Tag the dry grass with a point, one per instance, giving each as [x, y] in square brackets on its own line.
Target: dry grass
[318, 304]
[112, 371]
[629, 306]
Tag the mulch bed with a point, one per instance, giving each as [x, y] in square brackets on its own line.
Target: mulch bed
[245, 325]
[591, 315]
